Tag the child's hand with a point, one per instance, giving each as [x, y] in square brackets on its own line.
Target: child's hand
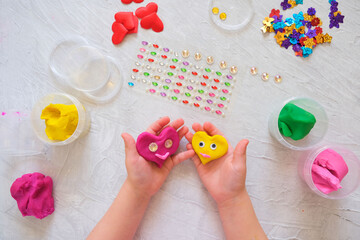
[146, 177]
[224, 178]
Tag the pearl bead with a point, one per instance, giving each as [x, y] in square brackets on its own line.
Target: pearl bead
[210, 60]
[197, 56]
[278, 79]
[265, 76]
[223, 65]
[185, 53]
[233, 70]
[253, 71]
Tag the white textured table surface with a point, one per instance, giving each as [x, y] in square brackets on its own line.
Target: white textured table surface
[88, 173]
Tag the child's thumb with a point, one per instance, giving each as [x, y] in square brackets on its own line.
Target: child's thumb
[130, 146]
[239, 155]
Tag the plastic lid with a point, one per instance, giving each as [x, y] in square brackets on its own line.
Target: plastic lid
[231, 15]
[84, 69]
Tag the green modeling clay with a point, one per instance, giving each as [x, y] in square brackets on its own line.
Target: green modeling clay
[295, 122]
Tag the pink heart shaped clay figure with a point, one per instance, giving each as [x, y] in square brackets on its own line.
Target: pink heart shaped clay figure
[145, 11]
[158, 148]
[130, 1]
[152, 21]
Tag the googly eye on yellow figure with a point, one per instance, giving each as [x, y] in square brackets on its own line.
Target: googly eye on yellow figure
[209, 148]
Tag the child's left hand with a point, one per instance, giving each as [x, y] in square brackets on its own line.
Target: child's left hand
[146, 177]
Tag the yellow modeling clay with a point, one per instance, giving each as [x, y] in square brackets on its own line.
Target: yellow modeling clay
[209, 148]
[61, 121]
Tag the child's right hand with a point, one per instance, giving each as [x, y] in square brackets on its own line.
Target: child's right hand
[224, 178]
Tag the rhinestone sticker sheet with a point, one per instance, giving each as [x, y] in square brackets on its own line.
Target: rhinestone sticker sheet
[186, 77]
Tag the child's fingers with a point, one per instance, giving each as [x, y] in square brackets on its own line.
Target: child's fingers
[189, 136]
[211, 129]
[197, 162]
[183, 131]
[189, 146]
[197, 127]
[239, 155]
[180, 157]
[158, 125]
[130, 145]
[177, 123]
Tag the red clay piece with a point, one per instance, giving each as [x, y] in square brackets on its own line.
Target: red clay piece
[125, 18]
[130, 1]
[136, 24]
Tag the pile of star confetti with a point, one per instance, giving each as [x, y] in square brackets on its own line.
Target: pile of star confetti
[302, 32]
[335, 15]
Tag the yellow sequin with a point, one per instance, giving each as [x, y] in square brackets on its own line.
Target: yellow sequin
[280, 37]
[223, 16]
[336, 13]
[319, 38]
[292, 3]
[268, 21]
[288, 30]
[301, 30]
[215, 10]
[309, 43]
[307, 17]
[327, 38]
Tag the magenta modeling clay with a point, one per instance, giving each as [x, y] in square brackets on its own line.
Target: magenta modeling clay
[33, 193]
[158, 148]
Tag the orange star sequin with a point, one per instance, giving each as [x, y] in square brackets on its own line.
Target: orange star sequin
[301, 30]
[280, 37]
[267, 22]
[319, 38]
[309, 43]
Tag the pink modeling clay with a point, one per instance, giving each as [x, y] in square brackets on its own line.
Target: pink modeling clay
[328, 171]
[33, 193]
[158, 148]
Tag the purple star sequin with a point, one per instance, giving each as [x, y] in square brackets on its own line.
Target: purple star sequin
[286, 43]
[311, 33]
[277, 19]
[339, 18]
[296, 47]
[285, 5]
[311, 11]
[295, 35]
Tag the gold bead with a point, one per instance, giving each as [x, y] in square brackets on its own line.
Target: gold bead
[278, 79]
[265, 76]
[223, 16]
[157, 77]
[223, 64]
[210, 60]
[168, 143]
[197, 56]
[215, 10]
[253, 71]
[185, 53]
[233, 70]
[153, 147]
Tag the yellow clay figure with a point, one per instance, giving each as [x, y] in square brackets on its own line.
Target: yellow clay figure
[61, 121]
[209, 148]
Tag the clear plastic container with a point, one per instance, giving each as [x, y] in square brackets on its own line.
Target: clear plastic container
[59, 98]
[81, 68]
[316, 134]
[349, 183]
[238, 13]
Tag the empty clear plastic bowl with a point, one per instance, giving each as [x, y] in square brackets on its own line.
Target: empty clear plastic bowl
[59, 98]
[316, 134]
[349, 183]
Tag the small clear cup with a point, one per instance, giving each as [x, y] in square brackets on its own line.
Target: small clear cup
[349, 183]
[238, 13]
[316, 134]
[59, 98]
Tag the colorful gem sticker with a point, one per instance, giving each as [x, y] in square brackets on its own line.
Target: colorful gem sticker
[173, 75]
